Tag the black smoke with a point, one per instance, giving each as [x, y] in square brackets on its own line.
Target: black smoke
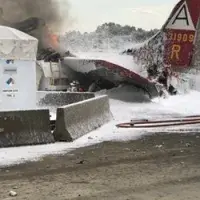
[53, 12]
[31, 16]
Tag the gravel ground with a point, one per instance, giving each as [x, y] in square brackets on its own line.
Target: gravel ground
[162, 166]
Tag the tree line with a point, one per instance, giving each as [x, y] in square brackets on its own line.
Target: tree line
[113, 29]
[107, 35]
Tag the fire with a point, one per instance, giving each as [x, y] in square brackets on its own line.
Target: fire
[54, 40]
[51, 39]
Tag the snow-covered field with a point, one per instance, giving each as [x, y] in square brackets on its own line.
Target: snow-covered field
[185, 104]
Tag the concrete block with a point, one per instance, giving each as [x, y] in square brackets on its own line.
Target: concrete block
[78, 119]
[26, 127]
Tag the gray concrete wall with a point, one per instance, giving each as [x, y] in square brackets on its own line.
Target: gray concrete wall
[26, 127]
[78, 119]
[49, 99]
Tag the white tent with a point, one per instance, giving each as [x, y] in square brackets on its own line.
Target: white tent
[17, 45]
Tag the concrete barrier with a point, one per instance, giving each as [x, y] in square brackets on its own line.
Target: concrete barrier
[78, 119]
[61, 98]
[27, 127]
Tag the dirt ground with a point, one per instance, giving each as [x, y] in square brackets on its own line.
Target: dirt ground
[162, 167]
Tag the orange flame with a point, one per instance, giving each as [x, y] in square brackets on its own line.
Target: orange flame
[51, 39]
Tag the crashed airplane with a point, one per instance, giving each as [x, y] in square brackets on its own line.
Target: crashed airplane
[175, 45]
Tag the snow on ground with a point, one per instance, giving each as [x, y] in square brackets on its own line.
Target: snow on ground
[186, 104]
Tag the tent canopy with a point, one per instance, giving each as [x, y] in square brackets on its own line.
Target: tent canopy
[17, 45]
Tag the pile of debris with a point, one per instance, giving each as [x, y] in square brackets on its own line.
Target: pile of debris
[50, 55]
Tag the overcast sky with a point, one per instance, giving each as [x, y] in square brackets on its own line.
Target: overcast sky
[147, 14]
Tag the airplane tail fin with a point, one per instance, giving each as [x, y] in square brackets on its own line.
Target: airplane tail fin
[178, 41]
